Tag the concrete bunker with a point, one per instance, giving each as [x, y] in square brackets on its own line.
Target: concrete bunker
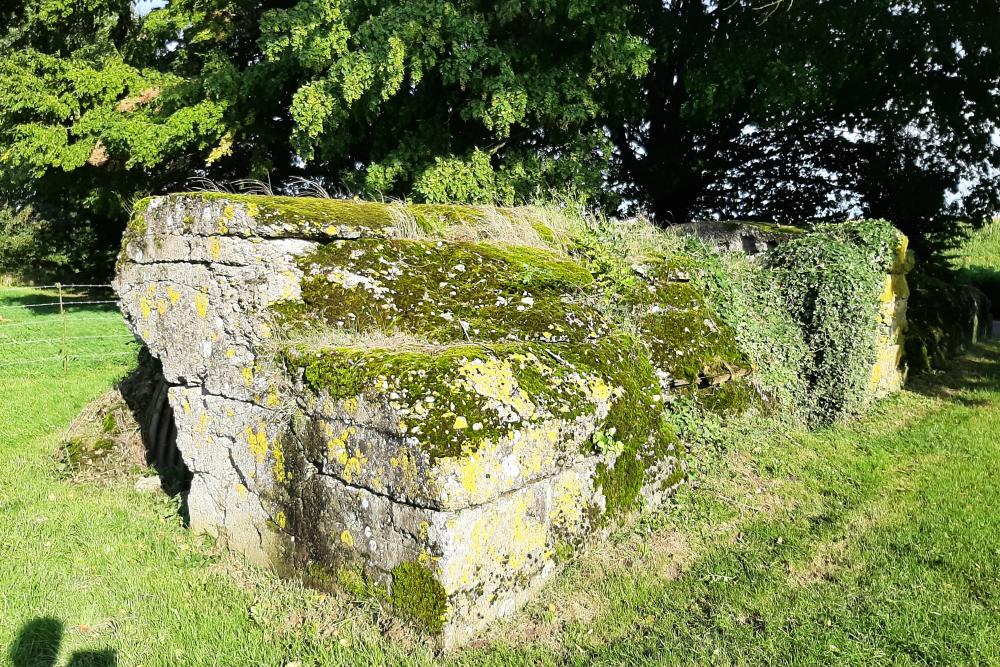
[433, 397]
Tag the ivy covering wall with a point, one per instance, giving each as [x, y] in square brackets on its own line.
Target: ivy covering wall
[804, 313]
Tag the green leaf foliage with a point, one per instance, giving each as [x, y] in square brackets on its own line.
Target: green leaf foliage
[766, 110]
[830, 280]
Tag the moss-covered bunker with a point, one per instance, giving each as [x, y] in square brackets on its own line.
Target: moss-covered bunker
[435, 399]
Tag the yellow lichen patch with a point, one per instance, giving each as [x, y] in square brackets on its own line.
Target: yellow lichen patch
[203, 423]
[280, 473]
[895, 287]
[347, 539]
[535, 449]
[460, 423]
[876, 377]
[350, 406]
[173, 295]
[507, 536]
[247, 374]
[428, 559]
[162, 307]
[201, 304]
[336, 448]
[492, 378]
[354, 465]
[471, 470]
[566, 509]
[241, 490]
[257, 441]
[600, 390]
[481, 538]
[904, 245]
[227, 215]
[900, 287]
[528, 536]
[407, 467]
[230, 353]
[215, 248]
[281, 520]
[187, 406]
[272, 400]
[145, 307]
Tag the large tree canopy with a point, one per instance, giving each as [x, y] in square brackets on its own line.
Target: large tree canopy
[675, 108]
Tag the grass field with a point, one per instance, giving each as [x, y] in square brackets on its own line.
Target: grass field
[978, 260]
[877, 543]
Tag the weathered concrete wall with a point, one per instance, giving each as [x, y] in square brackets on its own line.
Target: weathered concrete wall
[441, 415]
[376, 389]
[889, 372]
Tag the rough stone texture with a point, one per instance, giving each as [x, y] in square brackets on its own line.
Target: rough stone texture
[509, 422]
[357, 390]
[747, 237]
[889, 372]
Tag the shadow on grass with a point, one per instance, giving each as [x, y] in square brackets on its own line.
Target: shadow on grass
[977, 370]
[47, 303]
[38, 642]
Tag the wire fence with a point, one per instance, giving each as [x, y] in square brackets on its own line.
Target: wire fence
[53, 327]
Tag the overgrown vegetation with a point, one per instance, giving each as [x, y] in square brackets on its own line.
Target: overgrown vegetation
[946, 318]
[803, 316]
[830, 280]
[33, 248]
[953, 305]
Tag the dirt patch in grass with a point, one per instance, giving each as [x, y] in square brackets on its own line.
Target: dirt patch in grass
[103, 443]
[826, 559]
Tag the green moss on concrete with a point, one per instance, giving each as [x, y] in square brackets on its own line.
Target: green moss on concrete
[691, 345]
[652, 293]
[135, 230]
[419, 596]
[298, 213]
[455, 398]
[636, 426]
[448, 292]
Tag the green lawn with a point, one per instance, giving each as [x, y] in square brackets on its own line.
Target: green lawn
[977, 261]
[877, 543]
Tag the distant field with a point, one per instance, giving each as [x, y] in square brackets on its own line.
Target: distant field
[35, 334]
[872, 544]
[978, 261]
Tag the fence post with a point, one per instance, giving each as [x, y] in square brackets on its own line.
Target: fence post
[62, 314]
